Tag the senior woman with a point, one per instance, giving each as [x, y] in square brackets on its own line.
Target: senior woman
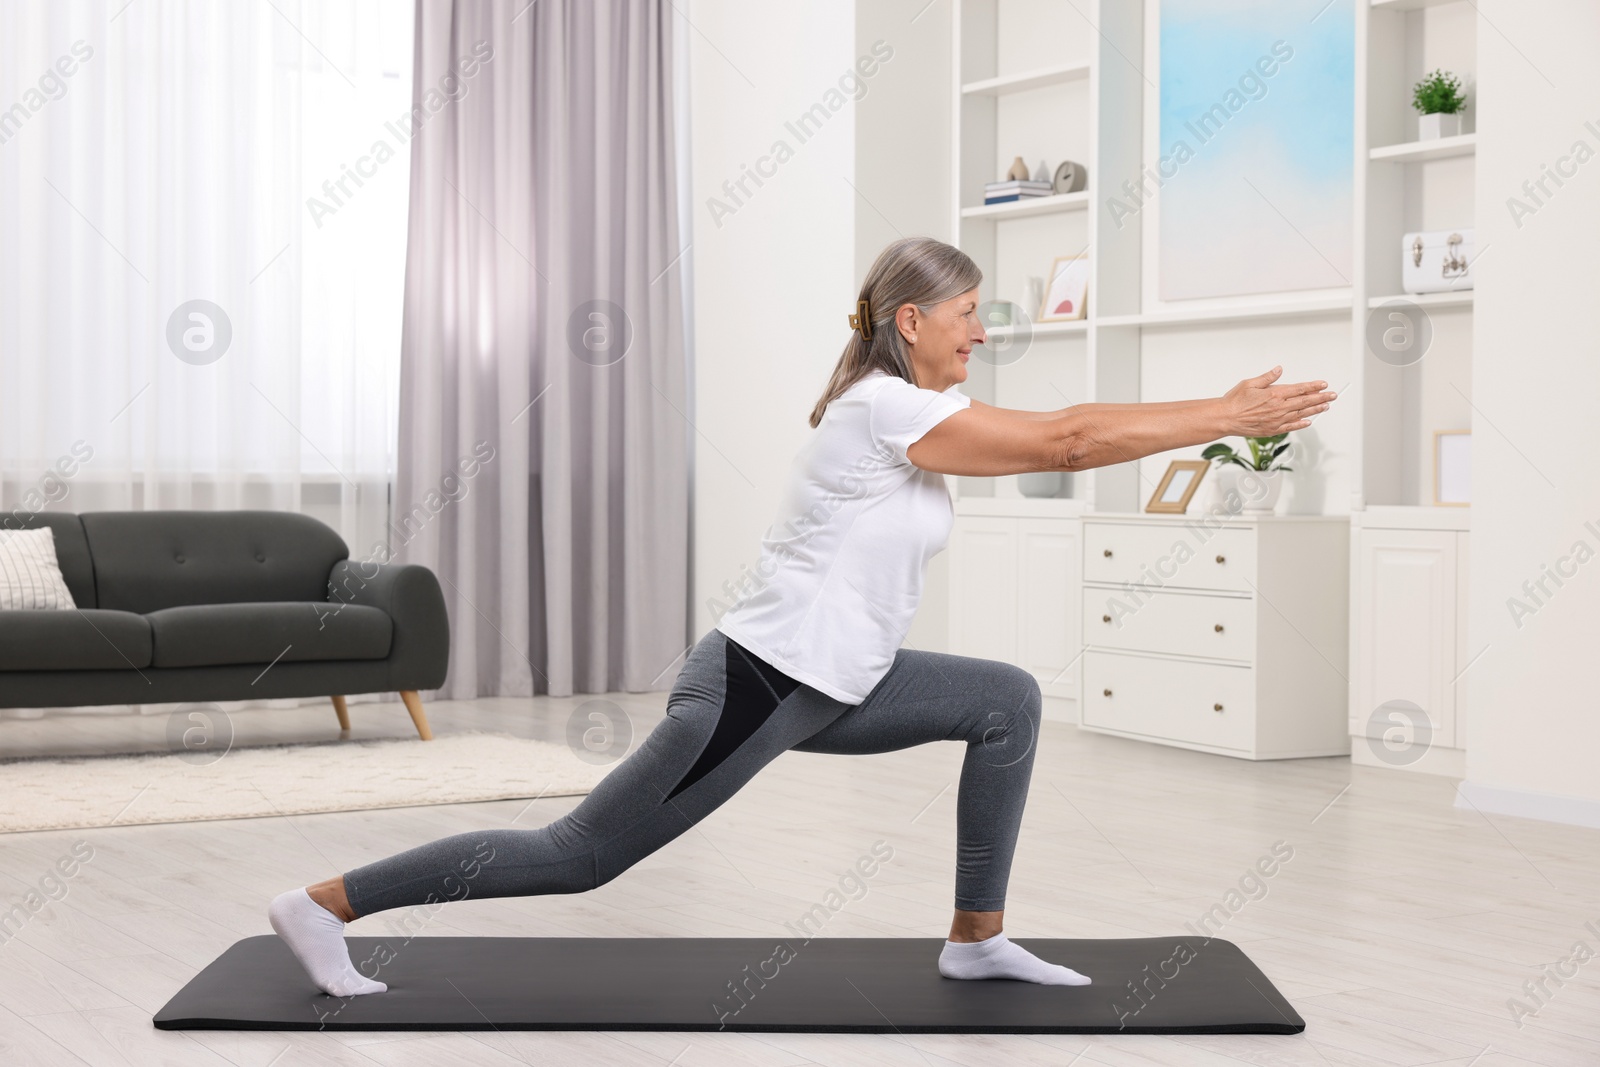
[810, 657]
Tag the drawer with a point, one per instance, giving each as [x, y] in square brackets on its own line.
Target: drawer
[1174, 700]
[1157, 556]
[1184, 624]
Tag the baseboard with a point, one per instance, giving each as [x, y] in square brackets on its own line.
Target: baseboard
[1527, 804]
[1446, 762]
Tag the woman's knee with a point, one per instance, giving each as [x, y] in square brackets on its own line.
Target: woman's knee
[1018, 690]
[1013, 707]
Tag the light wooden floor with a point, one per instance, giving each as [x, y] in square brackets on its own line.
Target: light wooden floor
[1399, 929]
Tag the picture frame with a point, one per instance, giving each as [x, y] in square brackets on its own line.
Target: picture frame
[1066, 290]
[1452, 468]
[1177, 486]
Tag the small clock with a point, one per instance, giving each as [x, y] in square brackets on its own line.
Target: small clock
[1070, 177]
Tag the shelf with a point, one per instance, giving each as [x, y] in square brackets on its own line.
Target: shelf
[1044, 329]
[1456, 298]
[1025, 507]
[1414, 517]
[1463, 144]
[1410, 5]
[1021, 83]
[1196, 512]
[1033, 205]
[1302, 309]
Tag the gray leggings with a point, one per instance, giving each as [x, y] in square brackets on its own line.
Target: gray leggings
[729, 715]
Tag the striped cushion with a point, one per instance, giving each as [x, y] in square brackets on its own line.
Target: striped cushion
[30, 577]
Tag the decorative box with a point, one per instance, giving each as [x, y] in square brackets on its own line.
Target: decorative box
[1436, 261]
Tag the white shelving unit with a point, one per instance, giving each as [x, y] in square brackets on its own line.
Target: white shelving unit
[1407, 5]
[1245, 313]
[1040, 329]
[1020, 83]
[1403, 186]
[1409, 559]
[1050, 91]
[1458, 298]
[1021, 209]
[1028, 80]
[1462, 144]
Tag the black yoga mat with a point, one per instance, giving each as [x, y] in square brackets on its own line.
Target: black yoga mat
[1153, 985]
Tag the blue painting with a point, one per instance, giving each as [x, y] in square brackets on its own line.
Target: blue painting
[1256, 167]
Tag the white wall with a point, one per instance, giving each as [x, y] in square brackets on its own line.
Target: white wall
[902, 182]
[902, 175]
[774, 280]
[1534, 726]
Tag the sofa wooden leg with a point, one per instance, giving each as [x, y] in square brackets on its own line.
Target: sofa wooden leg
[343, 712]
[418, 716]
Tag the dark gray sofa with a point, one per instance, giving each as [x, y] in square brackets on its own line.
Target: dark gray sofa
[221, 605]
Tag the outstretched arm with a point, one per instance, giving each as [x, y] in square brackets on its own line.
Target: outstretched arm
[1089, 409]
[988, 441]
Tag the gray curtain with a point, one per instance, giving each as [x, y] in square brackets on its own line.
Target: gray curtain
[543, 429]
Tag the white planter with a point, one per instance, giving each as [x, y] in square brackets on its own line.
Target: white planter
[1260, 490]
[1225, 498]
[1437, 125]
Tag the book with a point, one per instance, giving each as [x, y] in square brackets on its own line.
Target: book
[1016, 184]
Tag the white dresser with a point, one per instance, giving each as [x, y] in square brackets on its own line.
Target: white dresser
[1014, 590]
[1222, 634]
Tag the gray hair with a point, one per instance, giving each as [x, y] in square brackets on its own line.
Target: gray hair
[912, 270]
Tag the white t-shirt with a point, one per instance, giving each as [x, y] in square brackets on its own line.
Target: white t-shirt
[841, 567]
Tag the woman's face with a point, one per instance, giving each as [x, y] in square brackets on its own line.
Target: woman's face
[940, 341]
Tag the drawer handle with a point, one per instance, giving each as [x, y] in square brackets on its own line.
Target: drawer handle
[1218, 627]
[1108, 692]
[1222, 559]
[1216, 707]
[1108, 553]
[1105, 618]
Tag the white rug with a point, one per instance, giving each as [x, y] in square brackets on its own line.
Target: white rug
[61, 794]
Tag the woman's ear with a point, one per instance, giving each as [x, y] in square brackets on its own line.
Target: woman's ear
[908, 320]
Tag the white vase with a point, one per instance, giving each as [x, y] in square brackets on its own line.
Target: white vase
[1260, 490]
[1436, 125]
[1039, 484]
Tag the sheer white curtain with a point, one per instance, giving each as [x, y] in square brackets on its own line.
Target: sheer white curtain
[216, 152]
[249, 155]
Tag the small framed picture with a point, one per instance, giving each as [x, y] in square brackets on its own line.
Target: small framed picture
[1452, 467]
[1177, 486]
[1067, 291]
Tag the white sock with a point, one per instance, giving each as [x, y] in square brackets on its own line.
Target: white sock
[996, 957]
[316, 937]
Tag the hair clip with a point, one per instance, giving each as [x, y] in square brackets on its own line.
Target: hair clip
[862, 320]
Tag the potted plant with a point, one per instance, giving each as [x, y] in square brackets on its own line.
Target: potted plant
[1438, 100]
[1265, 480]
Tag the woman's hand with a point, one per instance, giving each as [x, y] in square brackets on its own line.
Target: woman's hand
[1257, 408]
